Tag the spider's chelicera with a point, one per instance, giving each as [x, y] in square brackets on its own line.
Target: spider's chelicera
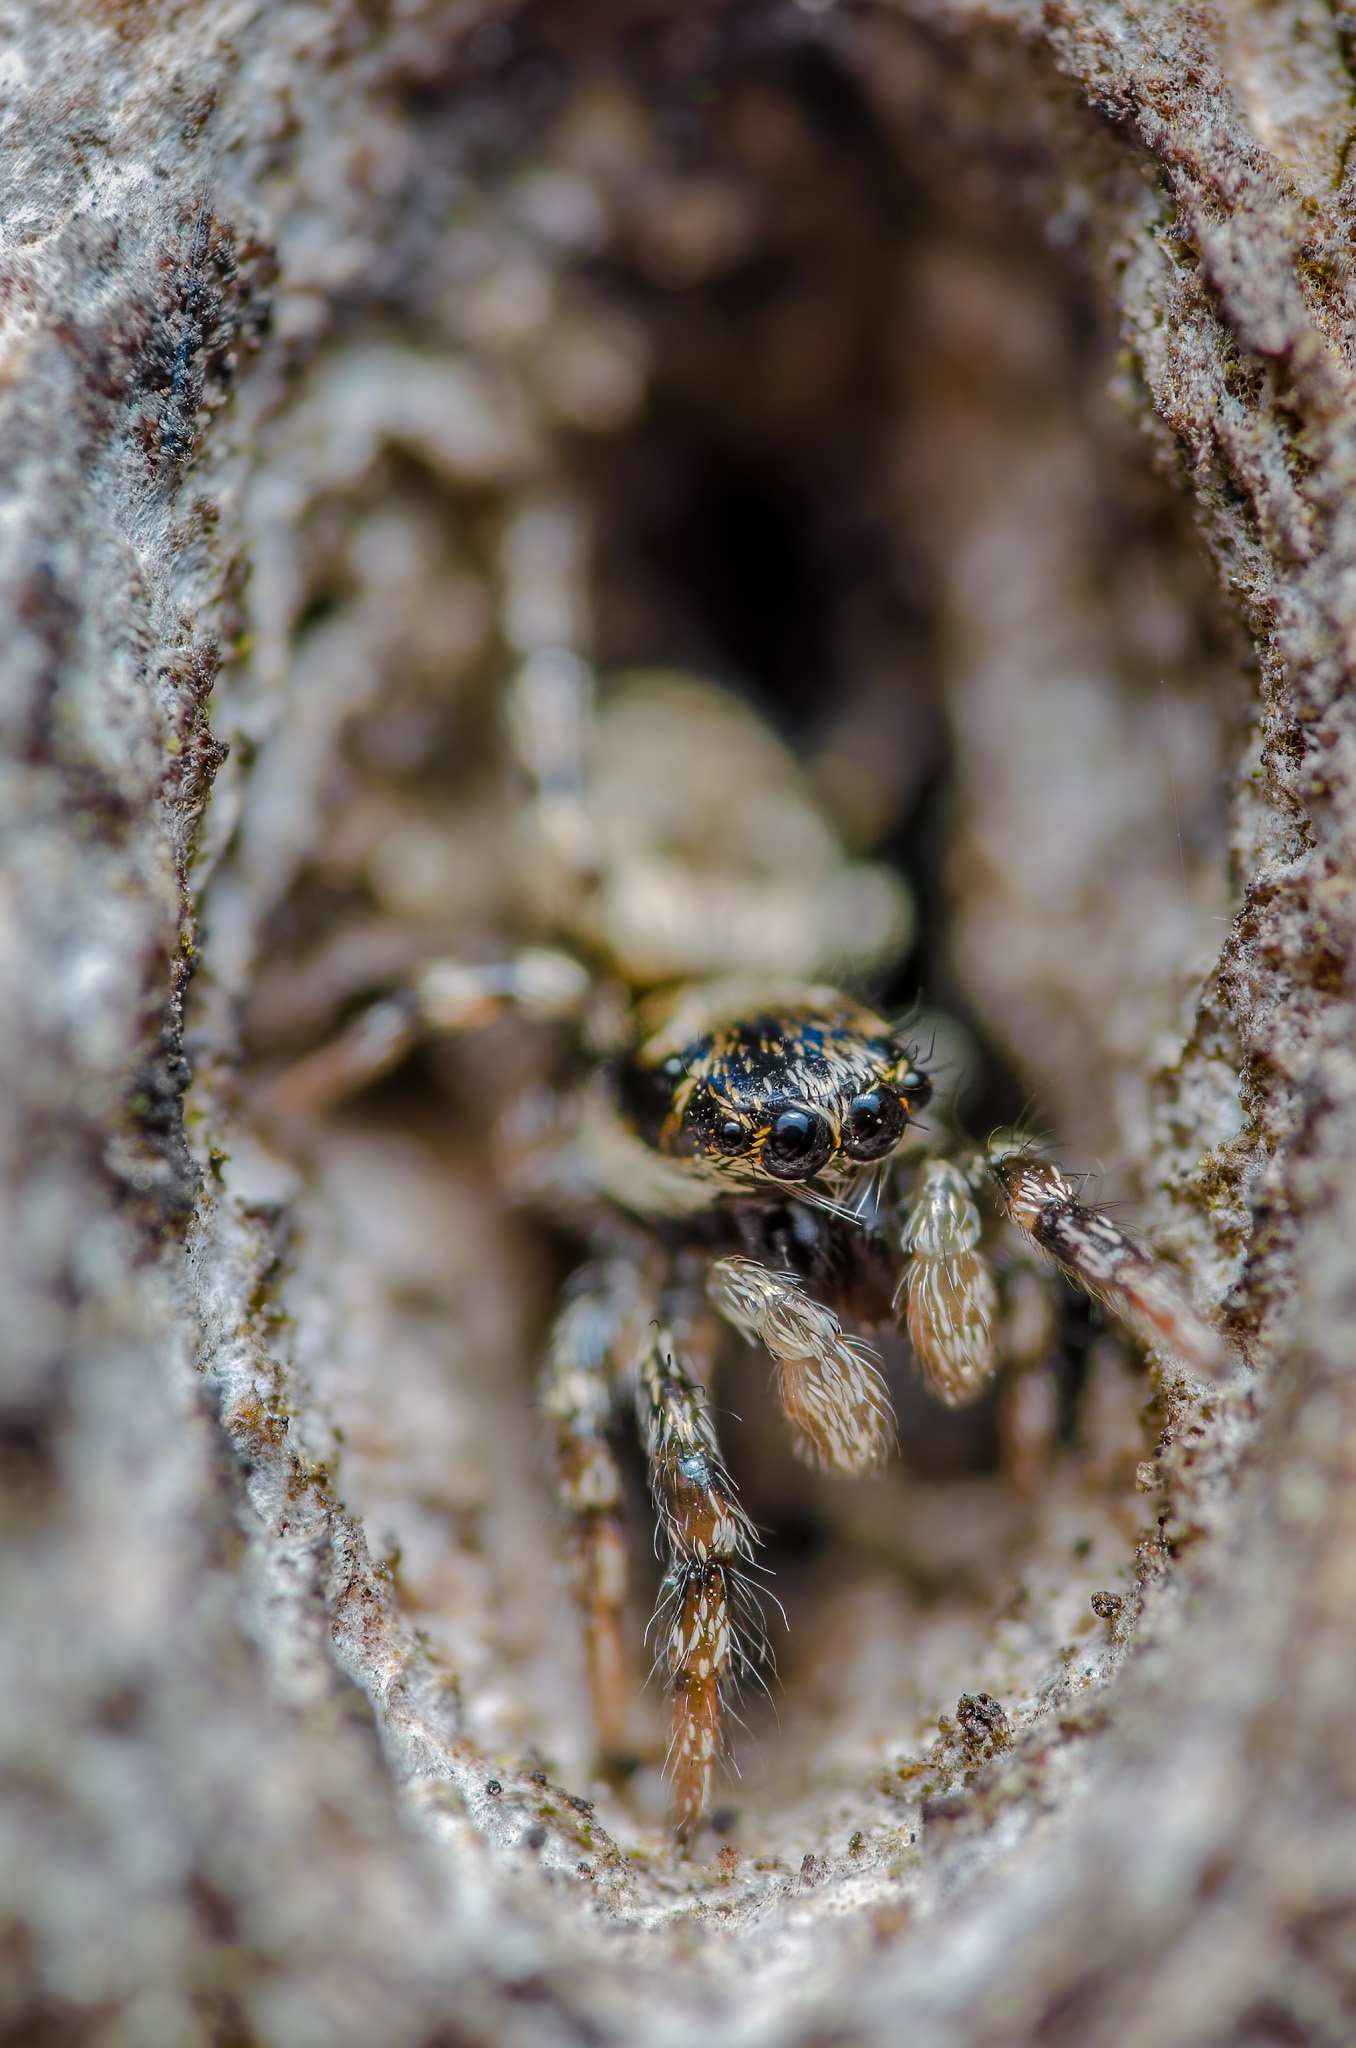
[730, 1137]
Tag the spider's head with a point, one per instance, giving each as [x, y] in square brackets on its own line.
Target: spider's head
[782, 1094]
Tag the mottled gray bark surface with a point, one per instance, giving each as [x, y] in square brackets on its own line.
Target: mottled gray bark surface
[329, 335]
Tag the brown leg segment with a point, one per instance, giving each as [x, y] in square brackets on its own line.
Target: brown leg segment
[451, 996]
[708, 1536]
[590, 1335]
[1041, 1201]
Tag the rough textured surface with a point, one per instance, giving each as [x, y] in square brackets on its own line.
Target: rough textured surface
[329, 339]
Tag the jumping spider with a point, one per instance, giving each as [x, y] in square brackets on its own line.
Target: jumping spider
[727, 1134]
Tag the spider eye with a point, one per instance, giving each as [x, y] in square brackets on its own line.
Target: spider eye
[797, 1145]
[729, 1136]
[916, 1089]
[873, 1123]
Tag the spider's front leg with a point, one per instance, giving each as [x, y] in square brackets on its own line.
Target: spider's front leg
[594, 1333]
[1094, 1251]
[709, 1537]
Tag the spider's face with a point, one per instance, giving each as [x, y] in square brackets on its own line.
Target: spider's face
[786, 1095]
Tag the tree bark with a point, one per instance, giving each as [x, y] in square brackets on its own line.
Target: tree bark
[247, 1799]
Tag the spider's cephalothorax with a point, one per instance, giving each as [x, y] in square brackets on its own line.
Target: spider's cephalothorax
[739, 1138]
[814, 1087]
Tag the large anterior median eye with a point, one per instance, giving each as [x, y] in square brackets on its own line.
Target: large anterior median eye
[797, 1145]
[873, 1122]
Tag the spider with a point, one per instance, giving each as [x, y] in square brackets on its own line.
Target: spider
[732, 1138]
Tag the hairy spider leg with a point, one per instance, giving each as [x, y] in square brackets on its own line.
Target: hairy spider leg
[830, 1385]
[709, 1538]
[549, 708]
[450, 995]
[950, 1306]
[1041, 1201]
[375, 1042]
[593, 1334]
